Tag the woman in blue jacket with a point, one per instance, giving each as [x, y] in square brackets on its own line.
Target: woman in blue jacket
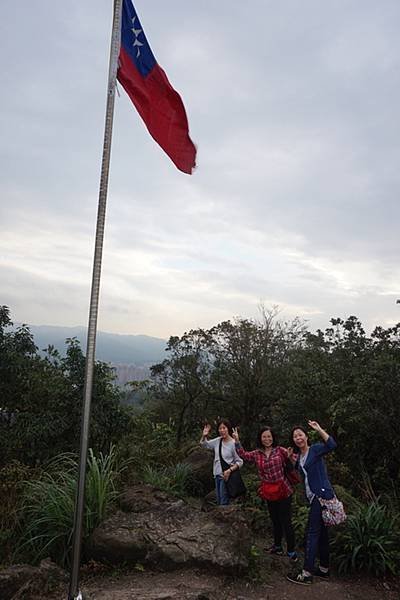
[311, 465]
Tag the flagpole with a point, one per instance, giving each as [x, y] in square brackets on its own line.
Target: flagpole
[74, 593]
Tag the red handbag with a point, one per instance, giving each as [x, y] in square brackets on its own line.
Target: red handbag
[272, 491]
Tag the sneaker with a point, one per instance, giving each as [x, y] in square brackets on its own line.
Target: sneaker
[277, 550]
[300, 578]
[322, 574]
[293, 556]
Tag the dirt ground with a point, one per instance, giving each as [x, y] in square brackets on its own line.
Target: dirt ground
[197, 585]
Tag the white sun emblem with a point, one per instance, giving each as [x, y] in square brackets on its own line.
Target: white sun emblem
[136, 33]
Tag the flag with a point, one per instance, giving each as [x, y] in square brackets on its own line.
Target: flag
[147, 85]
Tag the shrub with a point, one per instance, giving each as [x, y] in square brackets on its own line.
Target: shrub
[256, 508]
[299, 521]
[49, 502]
[351, 504]
[369, 541]
[151, 443]
[12, 477]
[173, 480]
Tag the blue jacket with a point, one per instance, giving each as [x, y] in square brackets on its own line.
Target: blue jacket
[316, 469]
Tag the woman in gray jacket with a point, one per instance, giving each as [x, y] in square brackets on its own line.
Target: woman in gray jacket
[229, 455]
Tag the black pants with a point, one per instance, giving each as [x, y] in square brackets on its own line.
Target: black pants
[281, 516]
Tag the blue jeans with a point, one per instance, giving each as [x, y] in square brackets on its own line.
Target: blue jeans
[222, 493]
[317, 540]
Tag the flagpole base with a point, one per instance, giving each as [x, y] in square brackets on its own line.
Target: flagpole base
[79, 596]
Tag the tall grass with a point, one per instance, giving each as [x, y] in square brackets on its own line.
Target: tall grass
[101, 491]
[48, 504]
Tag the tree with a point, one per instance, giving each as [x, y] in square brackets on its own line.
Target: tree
[182, 386]
[41, 399]
[234, 369]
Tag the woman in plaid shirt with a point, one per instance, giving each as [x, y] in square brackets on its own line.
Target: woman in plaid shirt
[270, 460]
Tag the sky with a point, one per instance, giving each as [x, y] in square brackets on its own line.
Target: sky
[294, 108]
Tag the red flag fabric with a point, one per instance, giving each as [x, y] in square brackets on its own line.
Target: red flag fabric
[147, 85]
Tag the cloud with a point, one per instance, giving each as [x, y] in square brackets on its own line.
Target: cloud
[295, 199]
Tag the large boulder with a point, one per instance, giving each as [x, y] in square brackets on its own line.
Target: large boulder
[159, 530]
[200, 461]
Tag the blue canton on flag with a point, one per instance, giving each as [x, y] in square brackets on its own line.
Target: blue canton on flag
[134, 40]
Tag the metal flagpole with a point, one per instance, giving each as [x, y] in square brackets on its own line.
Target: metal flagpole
[74, 593]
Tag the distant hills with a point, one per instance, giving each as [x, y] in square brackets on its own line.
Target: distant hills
[131, 354]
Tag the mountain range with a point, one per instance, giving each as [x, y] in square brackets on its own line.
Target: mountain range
[138, 350]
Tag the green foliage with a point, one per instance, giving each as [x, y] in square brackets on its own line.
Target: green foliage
[41, 399]
[49, 501]
[300, 513]
[12, 477]
[256, 509]
[369, 541]
[173, 480]
[103, 476]
[350, 502]
[254, 573]
[149, 444]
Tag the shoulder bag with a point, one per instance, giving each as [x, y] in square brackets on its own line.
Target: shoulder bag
[333, 512]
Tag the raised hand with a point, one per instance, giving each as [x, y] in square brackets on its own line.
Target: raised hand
[235, 434]
[315, 425]
[206, 429]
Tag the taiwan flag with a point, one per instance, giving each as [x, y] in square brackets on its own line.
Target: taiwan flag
[145, 82]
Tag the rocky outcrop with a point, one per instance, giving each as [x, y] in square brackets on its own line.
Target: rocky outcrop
[159, 530]
[24, 582]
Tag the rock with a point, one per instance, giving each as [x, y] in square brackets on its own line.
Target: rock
[142, 498]
[200, 461]
[209, 501]
[51, 574]
[13, 578]
[167, 533]
[23, 582]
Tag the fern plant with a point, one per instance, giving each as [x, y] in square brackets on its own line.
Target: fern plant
[369, 541]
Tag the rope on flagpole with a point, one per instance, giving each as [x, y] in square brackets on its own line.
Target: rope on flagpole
[74, 593]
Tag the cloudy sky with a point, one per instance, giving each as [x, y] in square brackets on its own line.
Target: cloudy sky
[294, 107]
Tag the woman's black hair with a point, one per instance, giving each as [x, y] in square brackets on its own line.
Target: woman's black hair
[291, 440]
[259, 434]
[226, 423]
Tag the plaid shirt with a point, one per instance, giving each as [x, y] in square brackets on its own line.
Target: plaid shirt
[270, 469]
